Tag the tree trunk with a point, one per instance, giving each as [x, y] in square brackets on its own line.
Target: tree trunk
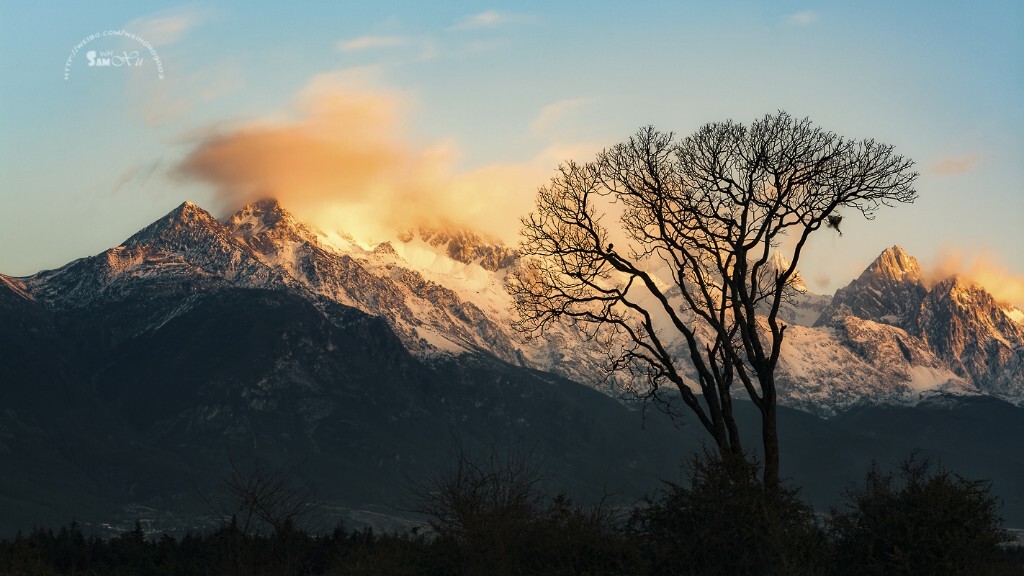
[770, 439]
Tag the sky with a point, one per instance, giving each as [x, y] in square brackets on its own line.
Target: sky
[370, 117]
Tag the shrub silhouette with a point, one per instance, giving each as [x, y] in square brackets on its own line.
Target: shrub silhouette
[920, 519]
[726, 522]
[491, 517]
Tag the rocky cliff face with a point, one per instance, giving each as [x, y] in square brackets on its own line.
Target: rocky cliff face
[977, 336]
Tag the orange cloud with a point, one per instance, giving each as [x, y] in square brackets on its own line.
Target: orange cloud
[343, 162]
[553, 116]
[950, 165]
[982, 269]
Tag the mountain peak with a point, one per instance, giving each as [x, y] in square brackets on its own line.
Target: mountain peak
[961, 289]
[259, 216]
[778, 263]
[186, 215]
[894, 263]
[186, 210]
[959, 281]
[778, 260]
[267, 206]
[466, 246]
[269, 229]
[889, 290]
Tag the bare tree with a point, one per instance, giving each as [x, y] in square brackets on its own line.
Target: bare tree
[690, 298]
[488, 508]
[477, 498]
[267, 500]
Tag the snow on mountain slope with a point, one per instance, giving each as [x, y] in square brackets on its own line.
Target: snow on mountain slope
[818, 373]
[457, 282]
[1015, 314]
[828, 370]
[465, 247]
[317, 263]
[441, 292]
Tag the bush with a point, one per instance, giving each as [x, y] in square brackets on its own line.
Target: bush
[491, 517]
[919, 520]
[726, 522]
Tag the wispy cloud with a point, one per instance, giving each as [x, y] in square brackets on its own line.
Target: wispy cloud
[802, 18]
[552, 116]
[372, 42]
[166, 27]
[183, 87]
[488, 19]
[950, 165]
[429, 50]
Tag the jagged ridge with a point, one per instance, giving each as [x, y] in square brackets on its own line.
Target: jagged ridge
[883, 338]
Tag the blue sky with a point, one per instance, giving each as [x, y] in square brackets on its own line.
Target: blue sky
[475, 104]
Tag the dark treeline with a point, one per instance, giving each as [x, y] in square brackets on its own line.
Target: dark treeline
[492, 519]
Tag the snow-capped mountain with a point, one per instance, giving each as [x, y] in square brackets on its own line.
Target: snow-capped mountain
[827, 367]
[956, 322]
[186, 250]
[885, 338]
